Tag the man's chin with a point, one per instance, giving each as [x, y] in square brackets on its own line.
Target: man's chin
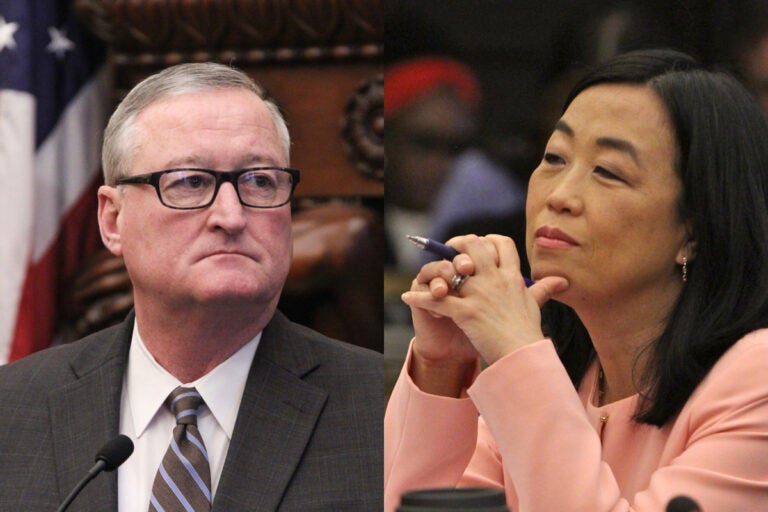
[235, 288]
[236, 297]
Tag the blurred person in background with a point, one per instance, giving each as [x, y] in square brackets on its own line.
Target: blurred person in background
[438, 175]
[750, 49]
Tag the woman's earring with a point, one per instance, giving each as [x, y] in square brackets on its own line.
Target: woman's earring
[685, 269]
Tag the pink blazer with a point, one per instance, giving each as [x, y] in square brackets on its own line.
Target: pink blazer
[545, 443]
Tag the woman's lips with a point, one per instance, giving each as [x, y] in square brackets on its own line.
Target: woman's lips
[552, 238]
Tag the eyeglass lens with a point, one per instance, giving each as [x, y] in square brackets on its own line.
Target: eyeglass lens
[187, 188]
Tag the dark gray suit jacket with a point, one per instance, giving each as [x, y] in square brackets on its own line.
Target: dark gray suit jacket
[308, 435]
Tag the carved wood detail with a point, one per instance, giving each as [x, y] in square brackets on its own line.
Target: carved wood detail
[363, 129]
[137, 26]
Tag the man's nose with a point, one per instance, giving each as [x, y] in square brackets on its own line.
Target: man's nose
[226, 210]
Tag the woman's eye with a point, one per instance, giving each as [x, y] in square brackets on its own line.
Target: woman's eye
[605, 173]
[552, 158]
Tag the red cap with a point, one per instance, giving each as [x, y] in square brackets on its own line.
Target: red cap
[412, 79]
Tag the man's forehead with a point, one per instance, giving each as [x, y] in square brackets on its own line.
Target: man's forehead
[202, 99]
[211, 132]
[206, 161]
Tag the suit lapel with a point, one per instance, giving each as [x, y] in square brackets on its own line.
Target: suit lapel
[85, 415]
[277, 416]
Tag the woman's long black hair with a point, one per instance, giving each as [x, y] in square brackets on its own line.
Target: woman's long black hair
[722, 160]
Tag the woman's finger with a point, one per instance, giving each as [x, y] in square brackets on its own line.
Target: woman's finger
[443, 269]
[506, 249]
[547, 287]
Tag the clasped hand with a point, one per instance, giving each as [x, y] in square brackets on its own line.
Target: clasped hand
[492, 315]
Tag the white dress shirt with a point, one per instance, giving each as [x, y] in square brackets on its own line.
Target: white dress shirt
[149, 424]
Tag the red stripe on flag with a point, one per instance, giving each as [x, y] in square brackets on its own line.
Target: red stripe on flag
[43, 294]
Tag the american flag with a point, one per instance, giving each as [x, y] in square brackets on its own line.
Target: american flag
[53, 108]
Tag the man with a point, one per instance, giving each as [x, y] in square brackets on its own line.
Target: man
[196, 202]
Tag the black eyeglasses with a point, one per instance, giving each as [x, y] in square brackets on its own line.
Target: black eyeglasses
[188, 189]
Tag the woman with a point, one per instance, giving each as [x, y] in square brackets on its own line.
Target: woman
[647, 223]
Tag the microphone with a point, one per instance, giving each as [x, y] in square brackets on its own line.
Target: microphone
[682, 504]
[111, 455]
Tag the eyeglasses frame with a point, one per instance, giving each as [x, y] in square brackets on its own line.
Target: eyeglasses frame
[153, 178]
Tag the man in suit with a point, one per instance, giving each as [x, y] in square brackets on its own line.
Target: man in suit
[197, 202]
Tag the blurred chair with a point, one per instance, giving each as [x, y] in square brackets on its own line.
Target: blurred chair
[320, 60]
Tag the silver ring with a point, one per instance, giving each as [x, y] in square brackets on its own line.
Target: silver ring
[457, 281]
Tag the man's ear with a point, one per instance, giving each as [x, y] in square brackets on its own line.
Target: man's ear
[109, 212]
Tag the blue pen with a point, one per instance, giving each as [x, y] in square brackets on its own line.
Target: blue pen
[442, 250]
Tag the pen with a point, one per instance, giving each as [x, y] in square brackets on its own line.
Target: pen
[434, 247]
[442, 250]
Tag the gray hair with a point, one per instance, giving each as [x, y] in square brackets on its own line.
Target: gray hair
[119, 136]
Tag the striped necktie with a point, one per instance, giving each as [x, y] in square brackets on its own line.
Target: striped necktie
[183, 480]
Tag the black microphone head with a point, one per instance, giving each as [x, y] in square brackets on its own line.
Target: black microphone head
[115, 452]
[682, 504]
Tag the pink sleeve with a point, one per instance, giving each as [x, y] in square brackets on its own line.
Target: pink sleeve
[428, 439]
[716, 452]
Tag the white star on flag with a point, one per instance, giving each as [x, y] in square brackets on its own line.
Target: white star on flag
[6, 34]
[59, 44]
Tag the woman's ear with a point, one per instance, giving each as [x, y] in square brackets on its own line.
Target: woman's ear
[109, 213]
[688, 252]
[688, 249]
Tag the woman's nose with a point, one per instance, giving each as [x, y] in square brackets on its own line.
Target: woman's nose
[566, 195]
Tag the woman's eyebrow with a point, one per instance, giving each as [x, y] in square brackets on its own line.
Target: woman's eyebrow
[608, 142]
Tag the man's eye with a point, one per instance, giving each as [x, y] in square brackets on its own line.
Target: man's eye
[262, 181]
[194, 182]
[259, 180]
[189, 181]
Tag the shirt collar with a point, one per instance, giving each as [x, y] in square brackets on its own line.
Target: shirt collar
[148, 384]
